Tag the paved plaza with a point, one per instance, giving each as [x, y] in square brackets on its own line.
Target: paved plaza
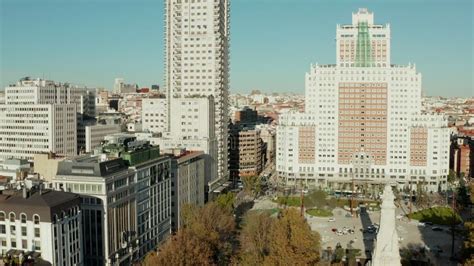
[409, 232]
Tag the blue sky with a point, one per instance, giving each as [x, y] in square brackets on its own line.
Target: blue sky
[273, 42]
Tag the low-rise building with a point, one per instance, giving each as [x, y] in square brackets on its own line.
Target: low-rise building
[94, 134]
[46, 165]
[14, 169]
[42, 224]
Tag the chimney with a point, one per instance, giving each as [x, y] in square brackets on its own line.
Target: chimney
[25, 193]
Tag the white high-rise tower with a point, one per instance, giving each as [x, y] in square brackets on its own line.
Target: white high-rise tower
[197, 63]
[363, 120]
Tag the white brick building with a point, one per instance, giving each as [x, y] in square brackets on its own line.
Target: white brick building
[41, 116]
[154, 115]
[363, 119]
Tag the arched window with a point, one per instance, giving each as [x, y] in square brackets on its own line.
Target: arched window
[2, 216]
[36, 219]
[12, 217]
[23, 218]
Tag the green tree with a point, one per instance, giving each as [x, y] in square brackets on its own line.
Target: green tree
[339, 254]
[252, 185]
[468, 245]
[451, 176]
[317, 198]
[463, 197]
[226, 201]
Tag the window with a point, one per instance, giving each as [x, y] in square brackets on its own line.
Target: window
[23, 218]
[23, 231]
[36, 219]
[3, 229]
[12, 230]
[12, 217]
[37, 232]
[37, 245]
[2, 216]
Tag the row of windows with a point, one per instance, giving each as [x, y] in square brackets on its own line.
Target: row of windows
[23, 217]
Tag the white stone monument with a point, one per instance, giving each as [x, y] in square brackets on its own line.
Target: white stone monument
[386, 251]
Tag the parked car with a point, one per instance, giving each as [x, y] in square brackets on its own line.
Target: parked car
[421, 224]
[332, 219]
[334, 230]
[437, 228]
[437, 249]
[429, 223]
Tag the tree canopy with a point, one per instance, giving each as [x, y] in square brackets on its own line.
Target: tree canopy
[205, 238]
[287, 240]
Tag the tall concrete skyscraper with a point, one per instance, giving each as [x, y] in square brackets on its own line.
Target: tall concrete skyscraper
[363, 120]
[197, 63]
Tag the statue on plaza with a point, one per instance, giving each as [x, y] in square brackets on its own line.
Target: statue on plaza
[386, 251]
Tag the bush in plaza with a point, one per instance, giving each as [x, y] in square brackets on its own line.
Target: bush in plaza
[436, 215]
[289, 201]
[319, 212]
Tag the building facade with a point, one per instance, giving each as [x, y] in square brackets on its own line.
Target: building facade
[95, 134]
[28, 129]
[41, 223]
[192, 128]
[197, 63]
[188, 182]
[126, 199]
[154, 112]
[363, 120]
[41, 116]
[121, 87]
[463, 157]
[246, 152]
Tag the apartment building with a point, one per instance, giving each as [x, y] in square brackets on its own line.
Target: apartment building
[363, 119]
[95, 133]
[121, 87]
[42, 224]
[246, 152]
[463, 157]
[125, 192]
[197, 64]
[41, 116]
[192, 128]
[154, 114]
[188, 181]
[28, 129]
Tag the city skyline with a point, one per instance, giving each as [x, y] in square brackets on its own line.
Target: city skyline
[133, 46]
